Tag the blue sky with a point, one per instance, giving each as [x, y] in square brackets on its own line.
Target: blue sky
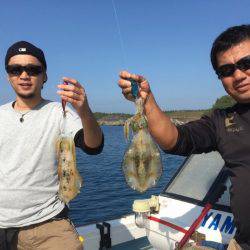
[166, 41]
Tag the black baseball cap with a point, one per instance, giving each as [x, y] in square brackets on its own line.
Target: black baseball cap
[25, 48]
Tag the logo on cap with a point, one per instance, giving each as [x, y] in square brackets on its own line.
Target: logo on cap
[22, 49]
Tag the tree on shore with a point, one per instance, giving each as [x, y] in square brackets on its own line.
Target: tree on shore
[224, 102]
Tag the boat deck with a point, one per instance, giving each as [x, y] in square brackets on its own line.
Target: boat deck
[138, 244]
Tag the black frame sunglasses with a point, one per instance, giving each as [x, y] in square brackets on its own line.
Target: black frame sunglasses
[30, 69]
[228, 69]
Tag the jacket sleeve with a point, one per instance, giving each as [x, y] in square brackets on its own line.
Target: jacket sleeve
[79, 142]
[195, 137]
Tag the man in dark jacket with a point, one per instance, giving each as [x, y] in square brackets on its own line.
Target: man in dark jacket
[225, 130]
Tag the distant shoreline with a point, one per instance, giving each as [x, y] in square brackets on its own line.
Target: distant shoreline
[178, 117]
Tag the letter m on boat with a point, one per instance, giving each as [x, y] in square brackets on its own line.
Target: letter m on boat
[228, 226]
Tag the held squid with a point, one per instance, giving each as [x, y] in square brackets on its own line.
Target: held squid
[70, 180]
[141, 164]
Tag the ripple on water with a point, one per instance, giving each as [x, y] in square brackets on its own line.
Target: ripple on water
[105, 194]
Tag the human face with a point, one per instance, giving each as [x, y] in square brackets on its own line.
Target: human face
[26, 85]
[236, 85]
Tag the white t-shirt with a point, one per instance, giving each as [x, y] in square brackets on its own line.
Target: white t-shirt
[28, 164]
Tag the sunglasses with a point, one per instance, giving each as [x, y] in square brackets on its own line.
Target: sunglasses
[30, 69]
[228, 69]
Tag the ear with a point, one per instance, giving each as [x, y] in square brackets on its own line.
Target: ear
[8, 79]
[45, 78]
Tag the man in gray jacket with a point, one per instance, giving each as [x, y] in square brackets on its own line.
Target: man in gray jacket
[31, 214]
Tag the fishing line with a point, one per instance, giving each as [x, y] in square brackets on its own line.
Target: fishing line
[120, 35]
[135, 88]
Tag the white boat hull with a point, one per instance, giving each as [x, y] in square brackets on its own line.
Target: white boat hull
[121, 230]
[217, 225]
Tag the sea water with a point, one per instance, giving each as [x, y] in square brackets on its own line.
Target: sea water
[105, 194]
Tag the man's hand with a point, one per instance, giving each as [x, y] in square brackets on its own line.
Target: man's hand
[73, 93]
[125, 85]
[160, 126]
